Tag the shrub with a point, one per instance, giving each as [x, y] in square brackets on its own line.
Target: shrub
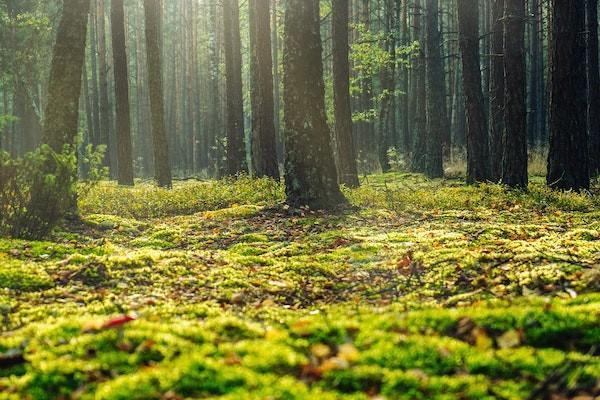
[35, 191]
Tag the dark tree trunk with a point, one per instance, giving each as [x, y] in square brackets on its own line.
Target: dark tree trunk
[568, 166]
[419, 106]
[347, 169]
[593, 87]
[236, 152]
[162, 166]
[404, 99]
[264, 138]
[104, 111]
[311, 177]
[125, 161]
[437, 123]
[62, 110]
[497, 90]
[534, 126]
[478, 162]
[514, 160]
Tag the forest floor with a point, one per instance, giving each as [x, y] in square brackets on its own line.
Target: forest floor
[423, 290]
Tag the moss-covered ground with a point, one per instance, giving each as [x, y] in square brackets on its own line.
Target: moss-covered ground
[421, 290]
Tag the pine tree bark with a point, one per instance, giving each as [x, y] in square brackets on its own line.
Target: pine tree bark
[236, 152]
[264, 137]
[497, 90]
[419, 106]
[593, 87]
[104, 108]
[514, 160]
[62, 110]
[310, 173]
[346, 151]
[162, 166]
[568, 160]
[437, 122]
[478, 161]
[125, 152]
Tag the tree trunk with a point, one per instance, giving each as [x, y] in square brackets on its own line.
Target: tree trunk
[311, 177]
[478, 162]
[264, 138]
[514, 160]
[593, 87]
[497, 90]
[236, 152]
[103, 85]
[437, 123]
[347, 169]
[125, 160]
[419, 108]
[162, 167]
[568, 166]
[62, 110]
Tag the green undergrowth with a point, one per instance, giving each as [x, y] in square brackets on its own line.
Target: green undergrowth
[424, 290]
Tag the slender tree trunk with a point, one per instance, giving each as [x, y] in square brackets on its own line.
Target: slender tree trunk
[347, 169]
[276, 78]
[419, 112]
[104, 108]
[514, 160]
[162, 167]
[404, 99]
[497, 89]
[236, 152]
[478, 162]
[125, 161]
[264, 139]
[568, 166]
[593, 87]
[62, 110]
[533, 126]
[437, 122]
[311, 178]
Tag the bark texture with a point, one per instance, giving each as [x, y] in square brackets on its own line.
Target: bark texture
[310, 173]
[514, 160]
[162, 166]
[568, 166]
[346, 152]
[478, 162]
[236, 152]
[125, 152]
[264, 137]
[593, 87]
[497, 89]
[62, 110]
[437, 122]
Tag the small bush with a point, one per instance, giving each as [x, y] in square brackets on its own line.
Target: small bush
[35, 191]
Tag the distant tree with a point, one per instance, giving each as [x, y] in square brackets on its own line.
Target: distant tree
[437, 122]
[310, 173]
[593, 87]
[264, 137]
[497, 89]
[346, 152]
[62, 110]
[418, 106]
[478, 161]
[125, 156]
[236, 152]
[514, 160]
[104, 103]
[568, 166]
[162, 166]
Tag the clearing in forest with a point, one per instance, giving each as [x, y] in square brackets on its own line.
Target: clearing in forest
[424, 290]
